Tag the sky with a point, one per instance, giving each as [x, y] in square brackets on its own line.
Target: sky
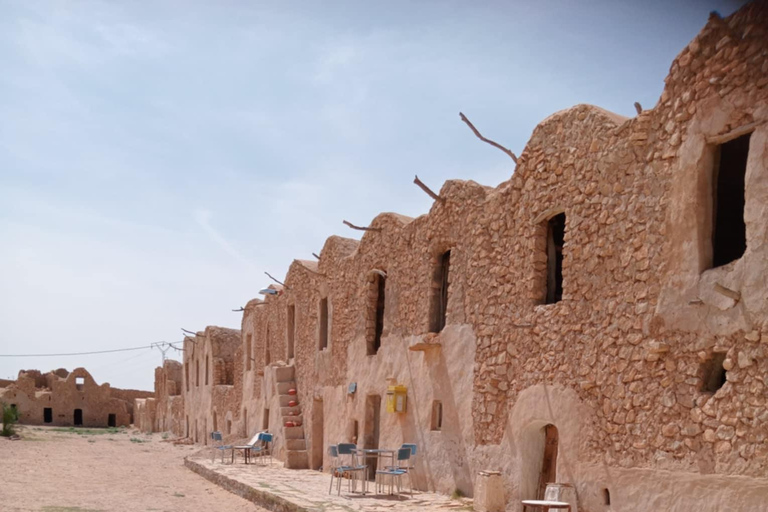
[156, 158]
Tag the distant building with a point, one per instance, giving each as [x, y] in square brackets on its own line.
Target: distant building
[68, 399]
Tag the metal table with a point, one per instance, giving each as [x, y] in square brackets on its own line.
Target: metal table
[373, 453]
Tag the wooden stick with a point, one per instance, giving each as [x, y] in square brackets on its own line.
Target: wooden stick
[489, 141]
[315, 255]
[638, 107]
[189, 332]
[237, 310]
[734, 134]
[275, 280]
[428, 190]
[360, 228]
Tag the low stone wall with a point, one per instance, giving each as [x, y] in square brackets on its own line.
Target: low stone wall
[262, 498]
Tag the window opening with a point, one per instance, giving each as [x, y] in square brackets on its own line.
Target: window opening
[606, 497]
[248, 353]
[375, 321]
[437, 415]
[265, 420]
[186, 374]
[555, 242]
[712, 373]
[439, 308]
[47, 415]
[291, 328]
[206, 371]
[729, 232]
[79, 383]
[267, 357]
[197, 372]
[323, 323]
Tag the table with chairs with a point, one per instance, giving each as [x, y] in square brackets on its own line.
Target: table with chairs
[349, 461]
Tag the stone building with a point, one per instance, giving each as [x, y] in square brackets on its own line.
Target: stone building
[209, 399]
[163, 412]
[69, 399]
[599, 319]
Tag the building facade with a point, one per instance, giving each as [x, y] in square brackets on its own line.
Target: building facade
[600, 319]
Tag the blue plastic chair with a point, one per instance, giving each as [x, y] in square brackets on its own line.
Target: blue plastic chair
[264, 448]
[218, 444]
[395, 472]
[355, 469]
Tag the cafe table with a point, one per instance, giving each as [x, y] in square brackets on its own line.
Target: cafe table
[373, 453]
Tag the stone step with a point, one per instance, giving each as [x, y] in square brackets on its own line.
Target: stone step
[296, 459]
[284, 411]
[283, 387]
[293, 432]
[285, 399]
[284, 374]
[298, 418]
[295, 444]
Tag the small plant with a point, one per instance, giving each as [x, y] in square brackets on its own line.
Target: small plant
[457, 494]
[138, 440]
[165, 435]
[178, 495]
[10, 416]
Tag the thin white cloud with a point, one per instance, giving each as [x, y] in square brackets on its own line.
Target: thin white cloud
[203, 219]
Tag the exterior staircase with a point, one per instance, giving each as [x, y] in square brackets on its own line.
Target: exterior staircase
[296, 456]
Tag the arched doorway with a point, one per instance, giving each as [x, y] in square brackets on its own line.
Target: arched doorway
[549, 459]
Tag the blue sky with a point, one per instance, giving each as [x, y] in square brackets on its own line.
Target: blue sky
[157, 158]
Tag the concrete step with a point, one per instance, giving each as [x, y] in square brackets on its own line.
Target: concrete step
[285, 411]
[296, 459]
[286, 399]
[293, 432]
[295, 444]
[283, 387]
[284, 374]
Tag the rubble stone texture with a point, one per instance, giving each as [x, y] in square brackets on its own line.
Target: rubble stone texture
[63, 394]
[620, 366]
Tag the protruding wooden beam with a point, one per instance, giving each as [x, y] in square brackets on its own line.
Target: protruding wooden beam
[489, 141]
[638, 107]
[428, 190]
[275, 280]
[316, 256]
[360, 228]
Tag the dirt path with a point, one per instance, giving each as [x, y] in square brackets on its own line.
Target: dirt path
[95, 470]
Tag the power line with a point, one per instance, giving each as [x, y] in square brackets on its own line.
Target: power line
[145, 347]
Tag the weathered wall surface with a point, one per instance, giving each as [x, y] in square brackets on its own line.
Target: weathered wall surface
[618, 365]
[60, 392]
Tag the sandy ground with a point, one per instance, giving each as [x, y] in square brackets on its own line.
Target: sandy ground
[51, 470]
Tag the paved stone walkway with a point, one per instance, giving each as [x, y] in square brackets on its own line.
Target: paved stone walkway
[298, 490]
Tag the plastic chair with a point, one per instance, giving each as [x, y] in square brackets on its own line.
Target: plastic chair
[217, 444]
[246, 448]
[337, 470]
[410, 467]
[265, 448]
[354, 468]
[395, 472]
